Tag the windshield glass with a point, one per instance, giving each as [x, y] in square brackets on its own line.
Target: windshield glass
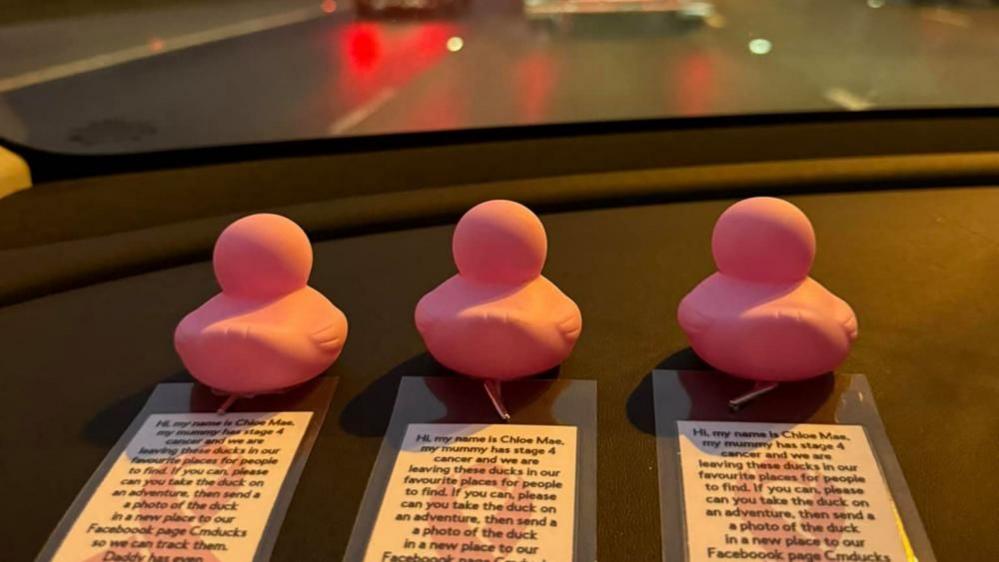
[110, 76]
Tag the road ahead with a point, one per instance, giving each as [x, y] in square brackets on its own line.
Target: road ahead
[336, 75]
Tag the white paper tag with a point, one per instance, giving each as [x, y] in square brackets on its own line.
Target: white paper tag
[479, 492]
[791, 492]
[191, 487]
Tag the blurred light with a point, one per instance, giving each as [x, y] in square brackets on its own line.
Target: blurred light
[454, 44]
[430, 40]
[715, 21]
[535, 76]
[363, 47]
[760, 46]
[701, 10]
[156, 44]
[328, 6]
[875, 3]
[694, 82]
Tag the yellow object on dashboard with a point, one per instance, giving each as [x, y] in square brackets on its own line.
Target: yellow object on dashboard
[14, 173]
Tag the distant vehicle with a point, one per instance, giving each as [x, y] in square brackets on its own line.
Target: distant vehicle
[553, 10]
[374, 8]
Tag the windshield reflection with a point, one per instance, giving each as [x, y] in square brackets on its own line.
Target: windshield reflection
[104, 77]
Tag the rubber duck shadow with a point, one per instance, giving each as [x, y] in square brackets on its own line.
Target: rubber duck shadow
[709, 391]
[107, 425]
[640, 405]
[368, 413]
[204, 399]
[464, 400]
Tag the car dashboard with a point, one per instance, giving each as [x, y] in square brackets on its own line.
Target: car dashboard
[106, 254]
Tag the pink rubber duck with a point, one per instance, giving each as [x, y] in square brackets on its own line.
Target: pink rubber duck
[761, 316]
[267, 330]
[499, 319]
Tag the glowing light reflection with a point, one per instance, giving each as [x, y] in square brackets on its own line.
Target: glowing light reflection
[760, 46]
[695, 84]
[363, 45]
[535, 76]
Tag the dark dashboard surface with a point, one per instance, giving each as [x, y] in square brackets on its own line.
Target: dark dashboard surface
[920, 267]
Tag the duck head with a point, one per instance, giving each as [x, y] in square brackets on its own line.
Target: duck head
[500, 242]
[764, 239]
[262, 256]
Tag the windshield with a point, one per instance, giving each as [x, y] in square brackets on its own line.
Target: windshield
[109, 76]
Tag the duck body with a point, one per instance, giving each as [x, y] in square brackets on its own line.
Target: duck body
[267, 330]
[498, 332]
[248, 346]
[767, 332]
[761, 316]
[499, 318]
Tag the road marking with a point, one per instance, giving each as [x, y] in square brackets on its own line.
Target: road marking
[157, 47]
[847, 100]
[945, 16]
[361, 114]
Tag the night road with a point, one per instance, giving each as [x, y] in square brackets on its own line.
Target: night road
[334, 74]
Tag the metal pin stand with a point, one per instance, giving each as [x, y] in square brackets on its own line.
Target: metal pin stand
[496, 397]
[759, 389]
[225, 405]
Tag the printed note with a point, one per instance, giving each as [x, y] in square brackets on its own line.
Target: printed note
[479, 493]
[805, 492]
[190, 487]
